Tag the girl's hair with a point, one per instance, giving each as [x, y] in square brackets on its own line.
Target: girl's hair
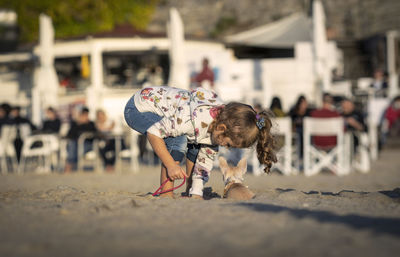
[244, 127]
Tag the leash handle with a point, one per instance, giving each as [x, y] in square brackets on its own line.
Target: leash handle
[157, 192]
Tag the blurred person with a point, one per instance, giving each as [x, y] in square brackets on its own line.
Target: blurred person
[326, 111]
[297, 114]
[103, 123]
[206, 74]
[353, 120]
[77, 127]
[379, 83]
[276, 107]
[105, 127]
[392, 117]
[51, 124]
[18, 120]
[5, 110]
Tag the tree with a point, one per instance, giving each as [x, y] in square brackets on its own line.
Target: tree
[79, 17]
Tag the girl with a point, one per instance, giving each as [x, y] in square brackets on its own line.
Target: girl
[178, 122]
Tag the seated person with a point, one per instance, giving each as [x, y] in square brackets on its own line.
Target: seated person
[20, 122]
[379, 84]
[77, 128]
[353, 120]
[51, 124]
[276, 107]
[297, 113]
[5, 110]
[107, 145]
[327, 111]
[392, 117]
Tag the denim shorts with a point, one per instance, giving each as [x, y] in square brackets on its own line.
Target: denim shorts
[142, 121]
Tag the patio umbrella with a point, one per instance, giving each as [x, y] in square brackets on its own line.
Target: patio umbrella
[45, 81]
[320, 48]
[179, 76]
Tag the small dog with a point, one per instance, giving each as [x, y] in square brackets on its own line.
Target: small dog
[233, 179]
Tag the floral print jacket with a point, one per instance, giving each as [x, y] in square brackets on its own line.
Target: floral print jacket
[184, 113]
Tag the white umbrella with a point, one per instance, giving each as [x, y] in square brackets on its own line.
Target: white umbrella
[320, 47]
[45, 77]
[178, 76]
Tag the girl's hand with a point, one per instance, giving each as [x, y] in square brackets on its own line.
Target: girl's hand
[176, 172]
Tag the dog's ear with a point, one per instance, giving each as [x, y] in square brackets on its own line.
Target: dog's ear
[223, 164]
[242, 165]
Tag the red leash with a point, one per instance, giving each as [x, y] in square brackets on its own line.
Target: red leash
[157, 192]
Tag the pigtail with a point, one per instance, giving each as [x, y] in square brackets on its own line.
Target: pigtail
[266, 143]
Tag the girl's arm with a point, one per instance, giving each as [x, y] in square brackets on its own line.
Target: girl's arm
[173, 169]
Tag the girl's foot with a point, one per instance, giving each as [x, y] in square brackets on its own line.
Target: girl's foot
[197, 197]
[109, 168]
[168, 195]
[68, 168]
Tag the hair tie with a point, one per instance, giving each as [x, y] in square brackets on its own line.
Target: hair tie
[260, 122]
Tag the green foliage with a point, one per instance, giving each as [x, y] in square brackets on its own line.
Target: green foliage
[79, 17]
[224, 23]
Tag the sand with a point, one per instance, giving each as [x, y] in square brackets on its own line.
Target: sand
[92, 214]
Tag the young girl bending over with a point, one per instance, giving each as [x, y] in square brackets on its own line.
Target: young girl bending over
[179, 122]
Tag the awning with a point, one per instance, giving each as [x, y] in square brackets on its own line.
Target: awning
[283, 33]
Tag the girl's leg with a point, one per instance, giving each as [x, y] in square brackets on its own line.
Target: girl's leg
[191, 155]
[169, 185]
[177, 148]
[189, 170]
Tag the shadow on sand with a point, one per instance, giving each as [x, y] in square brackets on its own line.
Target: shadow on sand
[376, 224]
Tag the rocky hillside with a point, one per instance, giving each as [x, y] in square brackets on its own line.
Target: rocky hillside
[349, 22]
[346, 19]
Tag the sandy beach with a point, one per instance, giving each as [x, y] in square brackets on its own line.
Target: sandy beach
[92, 214]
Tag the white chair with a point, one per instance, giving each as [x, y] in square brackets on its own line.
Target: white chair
[316, 159]
[341, 88]
[364, 83]
[44, 147]
[7, 150]
[131, 153]
[283, 127]
[63, 142]
[90, 157]
[376, 109]
[359, 159]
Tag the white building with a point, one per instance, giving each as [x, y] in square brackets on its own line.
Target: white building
[104, 72]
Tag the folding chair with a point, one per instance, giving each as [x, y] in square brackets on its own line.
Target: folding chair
[316, 159]
[376, 109]
[283, 127]
[359, 159]
[44, 147]
[7, 150]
